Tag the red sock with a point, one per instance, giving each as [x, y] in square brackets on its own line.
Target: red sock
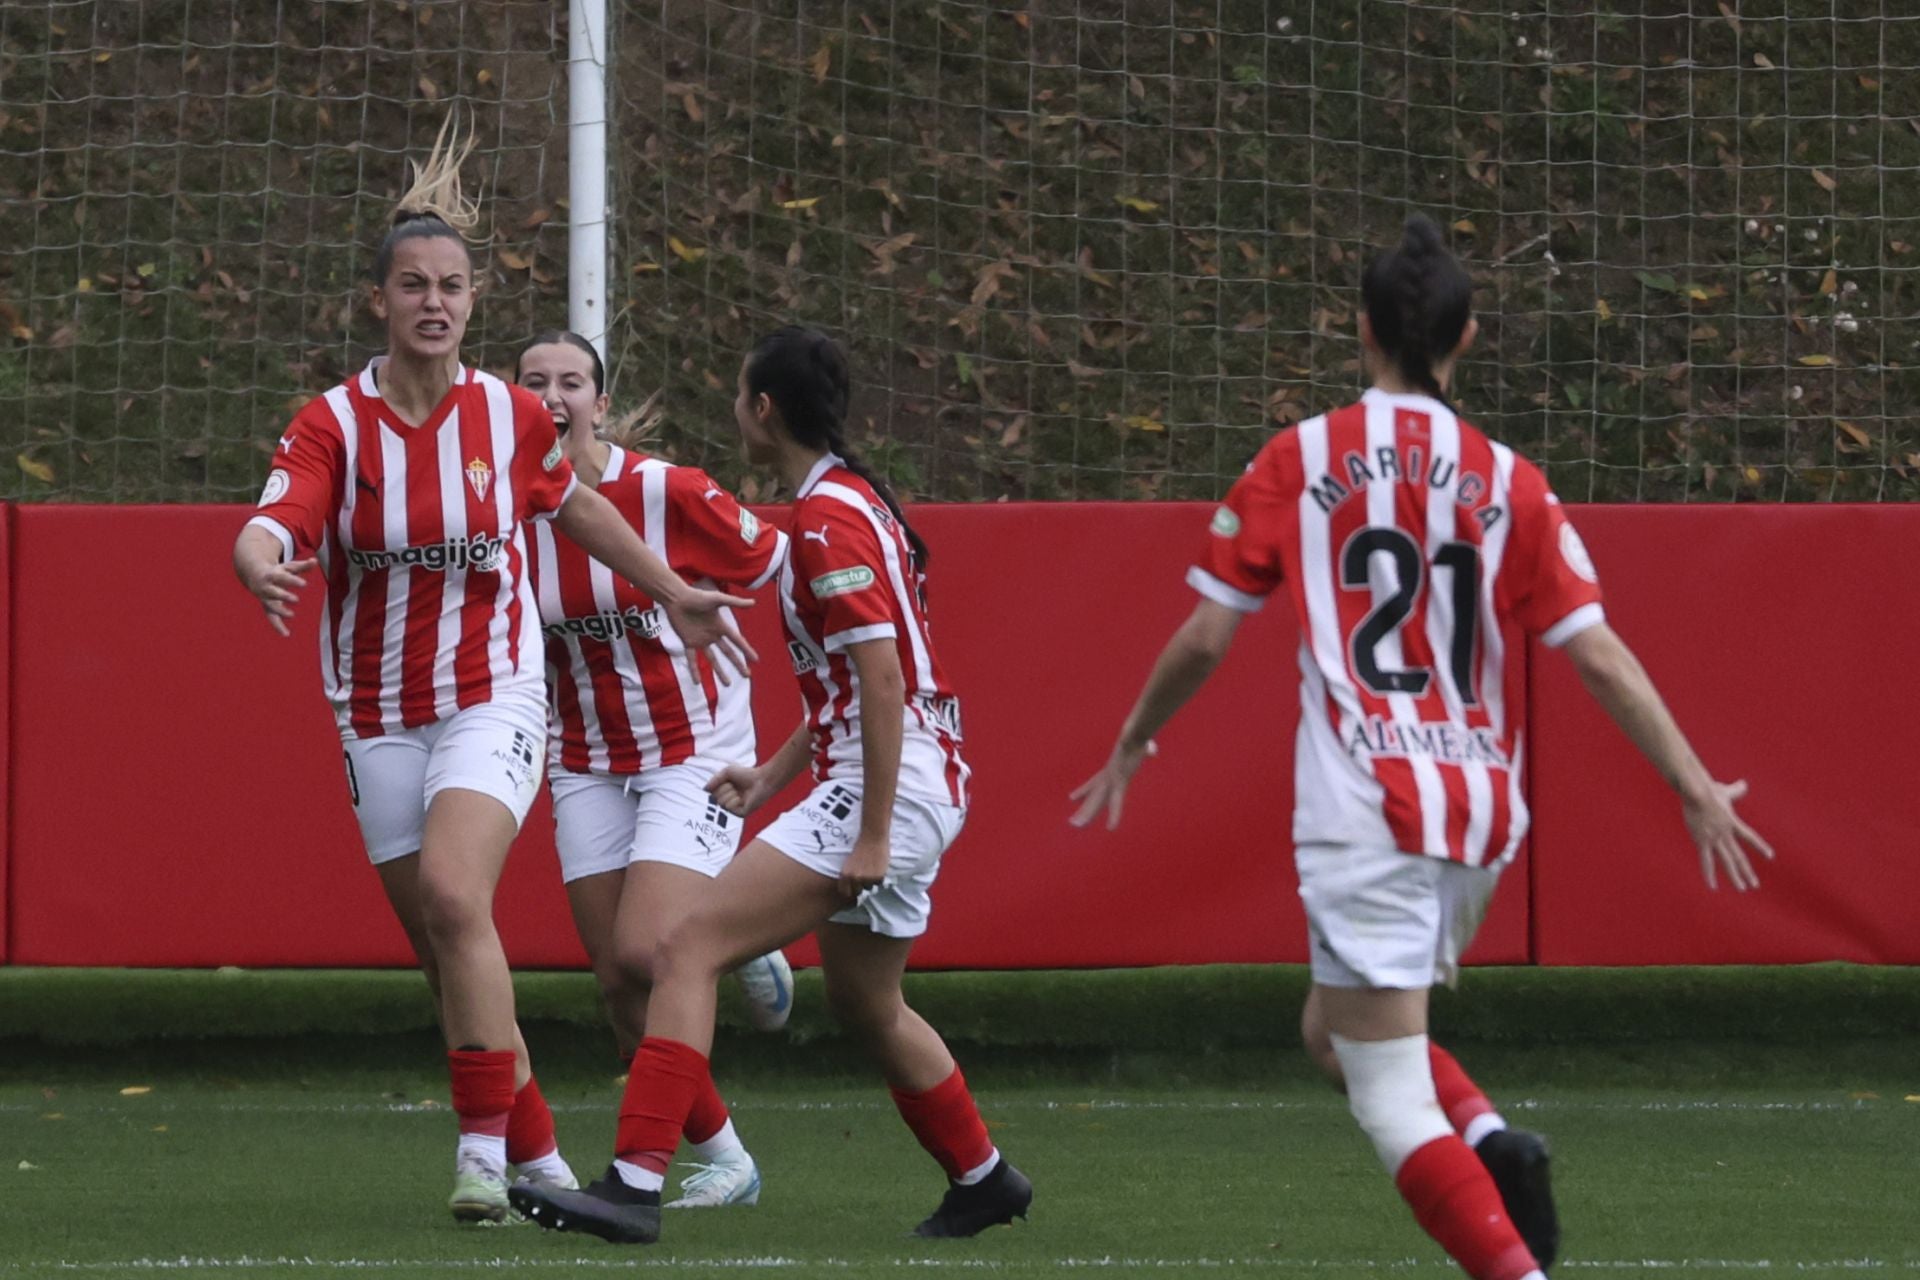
[665, 1081]
[1455, 1201]
[530, 1126]
[1460, 1097]
[482, 1089]
[947, 1124]
[709, 1113]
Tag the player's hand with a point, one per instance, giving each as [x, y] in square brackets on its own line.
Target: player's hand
[865, 867]
[700, 621]
[1107, 789]
[277, 587]
[1722, 837]
[740, 789]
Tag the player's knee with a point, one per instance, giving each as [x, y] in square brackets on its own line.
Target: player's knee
[689, 950]
[864, 1012]
[1390, 1092]
[450, 908]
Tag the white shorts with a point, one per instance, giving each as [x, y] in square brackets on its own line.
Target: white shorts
[818, 833]
[1382, 918]
[603, 823]
[495, 748]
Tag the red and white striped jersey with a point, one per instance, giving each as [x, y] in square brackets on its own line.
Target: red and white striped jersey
[850, 576]
[1418, 555]
[624, 695]
[417, 530]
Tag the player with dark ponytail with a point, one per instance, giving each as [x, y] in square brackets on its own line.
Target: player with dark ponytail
[1414, 552]
[854, 861]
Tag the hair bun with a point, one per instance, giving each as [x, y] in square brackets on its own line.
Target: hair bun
[1422, 237]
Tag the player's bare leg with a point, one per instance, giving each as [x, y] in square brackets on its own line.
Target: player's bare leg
[1517, 1159]
[533, 1151]
[1379, 1037]
[863, 971]
[761, 901]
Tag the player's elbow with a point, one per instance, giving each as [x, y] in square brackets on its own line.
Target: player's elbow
[1601, 659]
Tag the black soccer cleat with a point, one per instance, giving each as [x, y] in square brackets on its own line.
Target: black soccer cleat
[605, 1207]
[995, 1200]
[1518, 1162]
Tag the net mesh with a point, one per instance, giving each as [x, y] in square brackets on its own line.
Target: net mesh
[1078, 248]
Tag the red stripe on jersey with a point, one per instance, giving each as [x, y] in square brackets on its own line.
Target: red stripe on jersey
[426, 592]
[472, 666]
[368, 529]
[577, 598]
[566, 701]
[664, 704]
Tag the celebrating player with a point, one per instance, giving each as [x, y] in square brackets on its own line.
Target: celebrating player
[637, 731]
[408, 486]
[854, 860]
[1417, 554]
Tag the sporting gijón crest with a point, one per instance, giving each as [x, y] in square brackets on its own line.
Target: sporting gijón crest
[480, 476]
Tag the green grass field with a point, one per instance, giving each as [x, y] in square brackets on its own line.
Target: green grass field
[324, 1153]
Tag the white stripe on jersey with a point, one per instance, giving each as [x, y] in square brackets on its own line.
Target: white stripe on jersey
[1384, 581]
[548, 602]
[1493, 652]
[822, 667]
[453, 588]
[896, 579]
[393, 485]
[336, 651]
[686, 670]
[500, 429]
[1322, 631]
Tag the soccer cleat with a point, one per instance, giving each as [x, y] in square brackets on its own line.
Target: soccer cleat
[479, 1193]
[732, 1179]
[606, 1207]
[1518, 1162]
[536, 1178]
[767, 982]
[998, 1198]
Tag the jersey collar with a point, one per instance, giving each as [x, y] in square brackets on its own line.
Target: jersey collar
[1374, 395]
[616, 463]
[820, 469]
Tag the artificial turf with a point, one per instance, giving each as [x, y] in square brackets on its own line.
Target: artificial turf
[1705, 1121]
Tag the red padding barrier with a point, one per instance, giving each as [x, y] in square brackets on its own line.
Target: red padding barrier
[1782, 638]
[182, 801]
[6, 721]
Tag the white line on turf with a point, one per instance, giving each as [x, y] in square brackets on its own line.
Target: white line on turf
[245, 1262]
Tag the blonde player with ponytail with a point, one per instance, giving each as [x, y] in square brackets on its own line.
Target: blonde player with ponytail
[409, 488]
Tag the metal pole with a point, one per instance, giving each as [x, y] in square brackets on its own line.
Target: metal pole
[587, 171]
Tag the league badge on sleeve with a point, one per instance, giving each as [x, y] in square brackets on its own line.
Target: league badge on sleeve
[278, 482]
[552, 459]
[1574, 552]
[480, 476]
[749, 527]
[1225, 523]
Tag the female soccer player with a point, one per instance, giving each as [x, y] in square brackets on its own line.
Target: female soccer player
[856, 858]
[408, 486]
[636, 731]
[1417, 554]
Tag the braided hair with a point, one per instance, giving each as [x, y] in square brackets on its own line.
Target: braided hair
[434, 204]
[1418, 300]
[804, 372]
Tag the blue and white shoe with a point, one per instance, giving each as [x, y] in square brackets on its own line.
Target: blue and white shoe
[732, 1179]
[768, 985]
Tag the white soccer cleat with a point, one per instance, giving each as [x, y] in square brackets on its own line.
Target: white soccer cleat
[731, 1179]
[768, 985]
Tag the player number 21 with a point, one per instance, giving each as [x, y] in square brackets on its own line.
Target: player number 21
[1462, 562]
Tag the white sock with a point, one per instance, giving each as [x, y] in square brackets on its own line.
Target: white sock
[975, 1174]
[483, 1149]
[550, 1166]
[1481, 1125]
[1534, 1275]
[640, 1179]
[721, 1145]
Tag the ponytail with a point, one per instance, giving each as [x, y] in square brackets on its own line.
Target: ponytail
[804, 372]
[434, 204]
[1418, 299]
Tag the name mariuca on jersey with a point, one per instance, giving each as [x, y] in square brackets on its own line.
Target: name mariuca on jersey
[1404, 463]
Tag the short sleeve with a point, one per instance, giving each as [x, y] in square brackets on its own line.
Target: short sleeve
[838, 556]
[303, 489]
[1244, 559]
[710, 535]
[1557, 593]
[543, 478]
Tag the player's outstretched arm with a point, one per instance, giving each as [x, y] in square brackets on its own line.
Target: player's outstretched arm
[696, 614]
[256, 562]
[1183, 666]
[1624, 691]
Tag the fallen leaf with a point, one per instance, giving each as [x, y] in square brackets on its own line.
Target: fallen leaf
[1829, 282]
[691, 105]
[1825, 180]
[1860, 437]
[805, 203]
[1733, 20]
[1606, 312]
[684, 251]
[38, 470]
[103, 56]
[146, 269]
[536, 218]
[1136, 204]
[642, 268]
[429, 89]
[136, 1090]
[1698, 294]
[1762, 60]
[820, 63]
[25, 1165]
[513, 261]
[1142, 422]
[1464, 226]
[1816, 361]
